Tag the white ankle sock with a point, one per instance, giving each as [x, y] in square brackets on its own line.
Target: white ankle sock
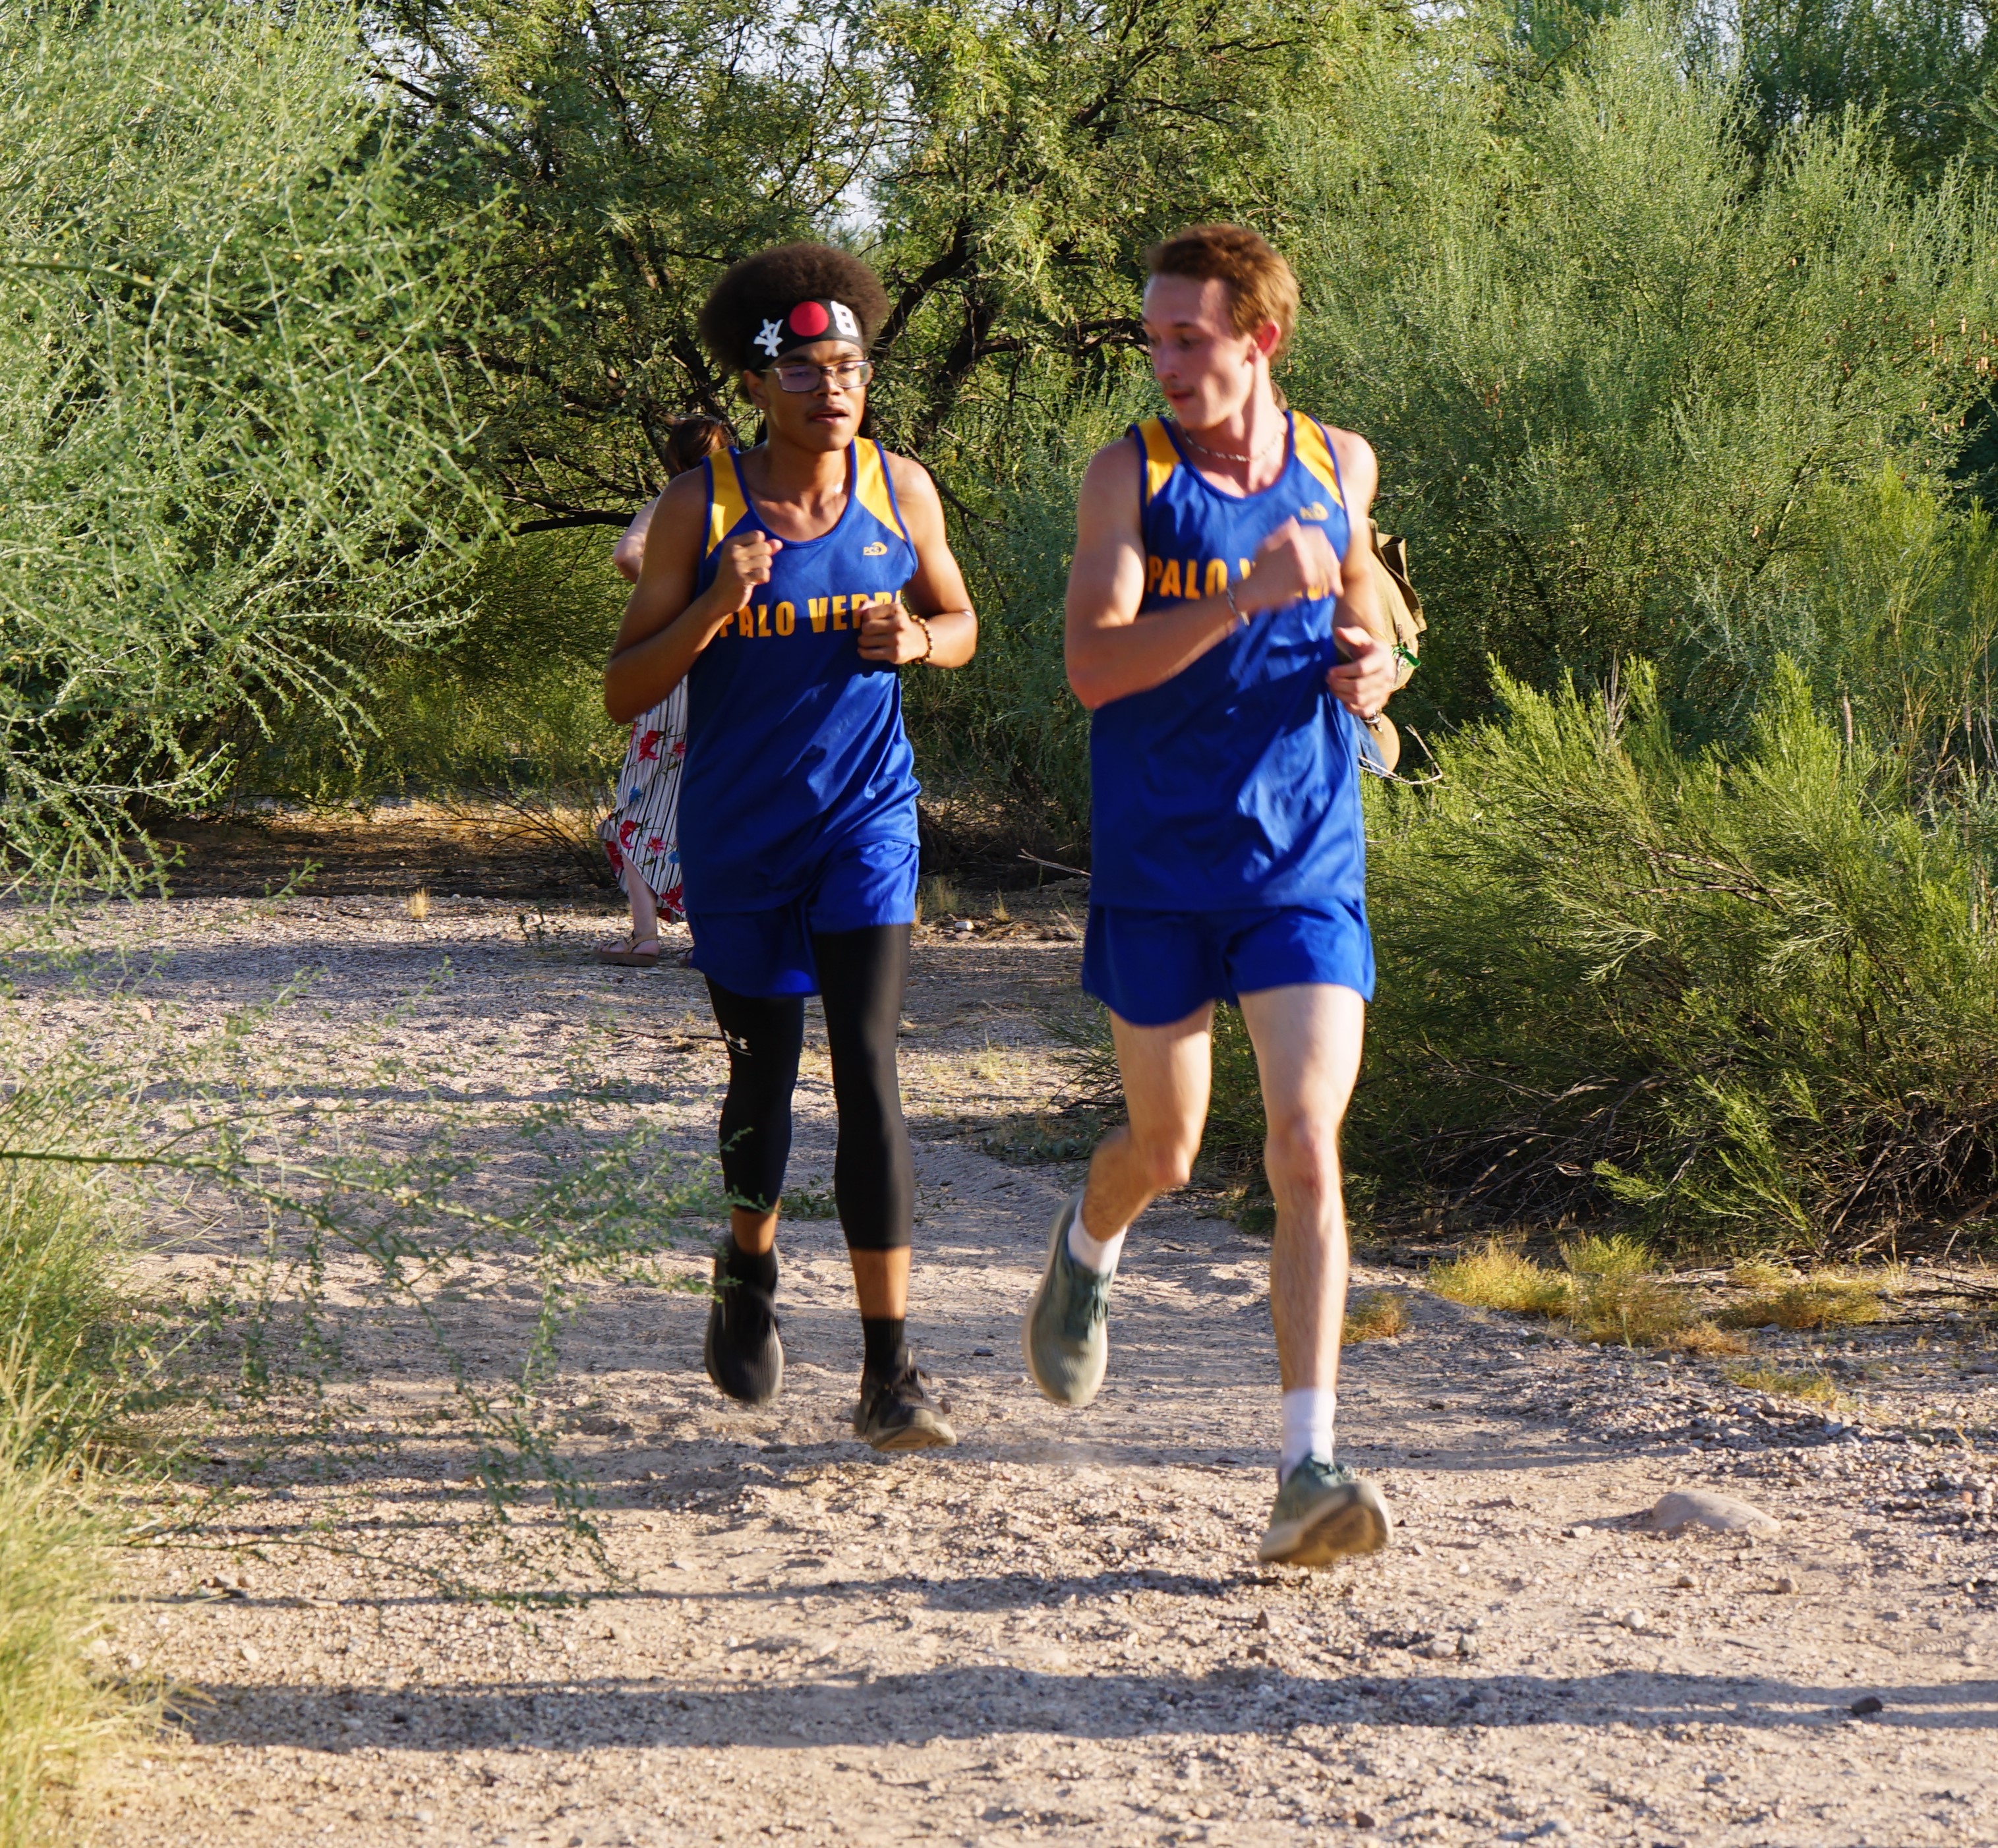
[1093, 1254]
[1308, 1413]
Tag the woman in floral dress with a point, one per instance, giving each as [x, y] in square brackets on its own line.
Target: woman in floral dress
[641, 832]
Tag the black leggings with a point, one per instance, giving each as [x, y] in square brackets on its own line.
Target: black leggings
[861, 974]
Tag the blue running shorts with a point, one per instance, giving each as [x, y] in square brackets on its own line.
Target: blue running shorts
[765, 954]
[1152, 968]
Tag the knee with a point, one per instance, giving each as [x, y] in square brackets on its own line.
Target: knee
[1302, 1156]
[1165, 1163]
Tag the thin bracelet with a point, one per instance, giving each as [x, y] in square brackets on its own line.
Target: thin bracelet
[1234, 609]
[929, 640]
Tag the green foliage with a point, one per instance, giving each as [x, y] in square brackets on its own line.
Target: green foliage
[630, 150]
[1926, 69]
[1634, 387]
[229, 443]
[1002, 168]
[512, 701]
[1001, 743]
[1740, 999]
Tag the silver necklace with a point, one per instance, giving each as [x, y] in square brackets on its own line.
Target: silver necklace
[1228, 455]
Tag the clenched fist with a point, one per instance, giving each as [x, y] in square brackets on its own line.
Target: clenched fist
[745, 564]
[1296, 561]
[889, 633]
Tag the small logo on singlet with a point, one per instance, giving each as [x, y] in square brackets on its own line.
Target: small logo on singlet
[877, 549]
[1317, 510]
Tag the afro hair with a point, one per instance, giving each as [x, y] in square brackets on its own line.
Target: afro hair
[774, 281]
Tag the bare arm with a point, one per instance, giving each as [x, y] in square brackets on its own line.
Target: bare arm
[937, 592]
[665, 625]
[1113, 652]
[1365, 679]
[631, 550]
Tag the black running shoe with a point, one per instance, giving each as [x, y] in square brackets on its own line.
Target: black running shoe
[897, 1412]
[742, 1353]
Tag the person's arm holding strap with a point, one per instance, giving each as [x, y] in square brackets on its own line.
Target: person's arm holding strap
[1363, 680]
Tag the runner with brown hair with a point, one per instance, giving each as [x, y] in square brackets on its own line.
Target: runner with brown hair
[1223, 631]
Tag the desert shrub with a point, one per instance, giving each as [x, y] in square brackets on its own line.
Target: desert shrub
[1637, 386]
[1814, 1388]
[1736, 999]
[64, 1381]
[512, 701]
[56, 1716]
[1001, 744]
[230, 454]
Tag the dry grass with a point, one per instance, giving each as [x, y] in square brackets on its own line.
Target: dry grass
[1496, 1277]
[418, 905]
[1608, 1289]
[1823, 1301]
[55, 1717]
[1817, 1388]
[1704, 1341]
[936, 898]
[1380, 1315]
[1633, 1311]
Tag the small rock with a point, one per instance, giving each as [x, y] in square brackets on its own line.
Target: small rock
[1468, 1645]
[1685, 1582]
[1635, 1620]
[1787, 1584]
[250, 1652]
[1262, 1621]
[1866, 1703]
[1701, 1507]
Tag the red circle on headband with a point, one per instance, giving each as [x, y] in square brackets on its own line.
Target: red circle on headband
[810, 319]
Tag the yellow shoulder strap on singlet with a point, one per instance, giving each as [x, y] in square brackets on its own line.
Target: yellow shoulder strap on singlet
[870, 484]
[1314, 451]
[1160, 457]
[727, 503]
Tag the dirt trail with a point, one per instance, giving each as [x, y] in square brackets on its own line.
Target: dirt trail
[1057, 1630]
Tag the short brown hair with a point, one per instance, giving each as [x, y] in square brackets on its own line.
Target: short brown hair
[1261, 285]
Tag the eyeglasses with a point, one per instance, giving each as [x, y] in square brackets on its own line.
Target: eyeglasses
[844, 377]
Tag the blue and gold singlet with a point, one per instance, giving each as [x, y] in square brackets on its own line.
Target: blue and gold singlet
[795, 745]
[1235, 782]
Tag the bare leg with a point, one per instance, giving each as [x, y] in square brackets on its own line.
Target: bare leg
[1307, 1041]
[881, 1282]
[645, 910]
[880, 1278]
[1166, 1072]
[754, 1233]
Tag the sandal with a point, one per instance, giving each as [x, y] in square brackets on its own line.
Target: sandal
[627, 953]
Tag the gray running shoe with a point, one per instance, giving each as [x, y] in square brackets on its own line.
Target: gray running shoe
[1065, 1337]
[1324, 1512]
[897, 1412]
